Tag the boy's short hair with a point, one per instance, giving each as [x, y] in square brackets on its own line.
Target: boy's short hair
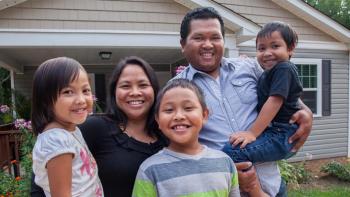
[182, 83]
[289, 36]
[197, 14]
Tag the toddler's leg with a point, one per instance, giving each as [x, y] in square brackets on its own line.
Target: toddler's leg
[271, 145]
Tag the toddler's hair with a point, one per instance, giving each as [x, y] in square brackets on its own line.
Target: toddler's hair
[182, 83]
[49, 79]
[289, 36]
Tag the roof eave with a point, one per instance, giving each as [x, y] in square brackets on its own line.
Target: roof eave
[9, 3]
[316, 18]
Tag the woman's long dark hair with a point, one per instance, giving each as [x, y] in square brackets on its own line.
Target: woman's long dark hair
[114, 111]
[49, 79]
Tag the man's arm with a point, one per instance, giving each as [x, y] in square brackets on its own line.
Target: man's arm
[304, 119]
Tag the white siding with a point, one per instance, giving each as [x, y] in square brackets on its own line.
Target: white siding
[156, 15]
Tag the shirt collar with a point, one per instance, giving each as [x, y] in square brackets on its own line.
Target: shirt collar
[192, 71]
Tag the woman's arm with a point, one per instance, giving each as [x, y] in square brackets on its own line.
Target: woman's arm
[36, 190]
[59, 171]
[304, 119]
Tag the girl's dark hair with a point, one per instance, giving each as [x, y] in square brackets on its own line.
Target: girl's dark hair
[114, 111]
[289, 36]
[201, 13]
[49, 79]
[182, 83]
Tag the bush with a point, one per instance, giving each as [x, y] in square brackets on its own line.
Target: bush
[20, 186]
[342, 172]
[294, 173]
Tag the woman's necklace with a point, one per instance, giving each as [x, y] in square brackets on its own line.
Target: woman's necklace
[145, 139]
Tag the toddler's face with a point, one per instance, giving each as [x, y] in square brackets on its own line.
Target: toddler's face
[74, 102]
[181, 117]
[271, 50]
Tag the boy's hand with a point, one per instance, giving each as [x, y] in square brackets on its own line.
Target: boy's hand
[242, 137]
[247, 179]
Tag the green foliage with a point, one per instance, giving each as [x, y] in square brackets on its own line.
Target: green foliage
[20, 186]
[294, 173]
[342, 172]
[22, 105]
[338, 10]
[326, 192]
[5, 87]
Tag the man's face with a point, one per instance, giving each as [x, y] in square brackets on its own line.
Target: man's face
[204, 45]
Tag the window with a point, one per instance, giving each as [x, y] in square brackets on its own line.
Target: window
[310, 74]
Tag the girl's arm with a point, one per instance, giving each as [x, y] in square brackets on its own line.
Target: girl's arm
[59, 171]
[266, 115]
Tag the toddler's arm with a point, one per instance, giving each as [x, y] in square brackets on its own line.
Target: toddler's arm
[266, 115]
[59, 170]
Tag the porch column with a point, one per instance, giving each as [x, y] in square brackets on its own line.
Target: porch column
[231, 46]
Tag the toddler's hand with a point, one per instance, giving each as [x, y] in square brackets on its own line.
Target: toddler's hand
[242, 137]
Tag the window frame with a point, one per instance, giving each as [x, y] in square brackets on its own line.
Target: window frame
[318, 62]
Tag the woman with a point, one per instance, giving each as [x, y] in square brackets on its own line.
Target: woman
[127, 134]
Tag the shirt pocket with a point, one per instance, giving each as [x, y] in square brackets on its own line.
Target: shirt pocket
[246, 90]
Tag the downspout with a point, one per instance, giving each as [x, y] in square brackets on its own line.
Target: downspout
[13, 101]
[349, 102]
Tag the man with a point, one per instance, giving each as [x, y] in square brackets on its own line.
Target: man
[229, 86]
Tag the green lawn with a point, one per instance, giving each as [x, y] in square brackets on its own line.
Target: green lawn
[336, 191]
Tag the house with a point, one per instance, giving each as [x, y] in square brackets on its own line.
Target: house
[32, 31]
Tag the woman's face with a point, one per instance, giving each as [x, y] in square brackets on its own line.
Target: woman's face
[134, 92]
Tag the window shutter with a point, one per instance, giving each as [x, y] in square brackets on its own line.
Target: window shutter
[100, 90]
[326, 87]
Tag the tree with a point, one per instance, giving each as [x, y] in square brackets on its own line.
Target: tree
[339, 10]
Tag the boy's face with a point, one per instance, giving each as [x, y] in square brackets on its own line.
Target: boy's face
[271, 50]
[204, 45]
[181, 117]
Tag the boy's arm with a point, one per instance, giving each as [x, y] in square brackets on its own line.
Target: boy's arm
[304, 119]
[266, 115]
[143, 186]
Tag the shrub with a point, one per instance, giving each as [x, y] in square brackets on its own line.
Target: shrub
[294, 173]
[342, 172]
[20, 186]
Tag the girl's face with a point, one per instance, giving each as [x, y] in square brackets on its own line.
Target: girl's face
[74, 103]
[134, 93]
[181, 117]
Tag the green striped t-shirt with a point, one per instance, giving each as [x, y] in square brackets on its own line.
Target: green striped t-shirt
[210, 173]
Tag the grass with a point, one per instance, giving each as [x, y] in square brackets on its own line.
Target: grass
[334, 191]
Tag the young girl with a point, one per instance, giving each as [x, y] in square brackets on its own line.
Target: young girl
[62, 163]
[185, 167]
